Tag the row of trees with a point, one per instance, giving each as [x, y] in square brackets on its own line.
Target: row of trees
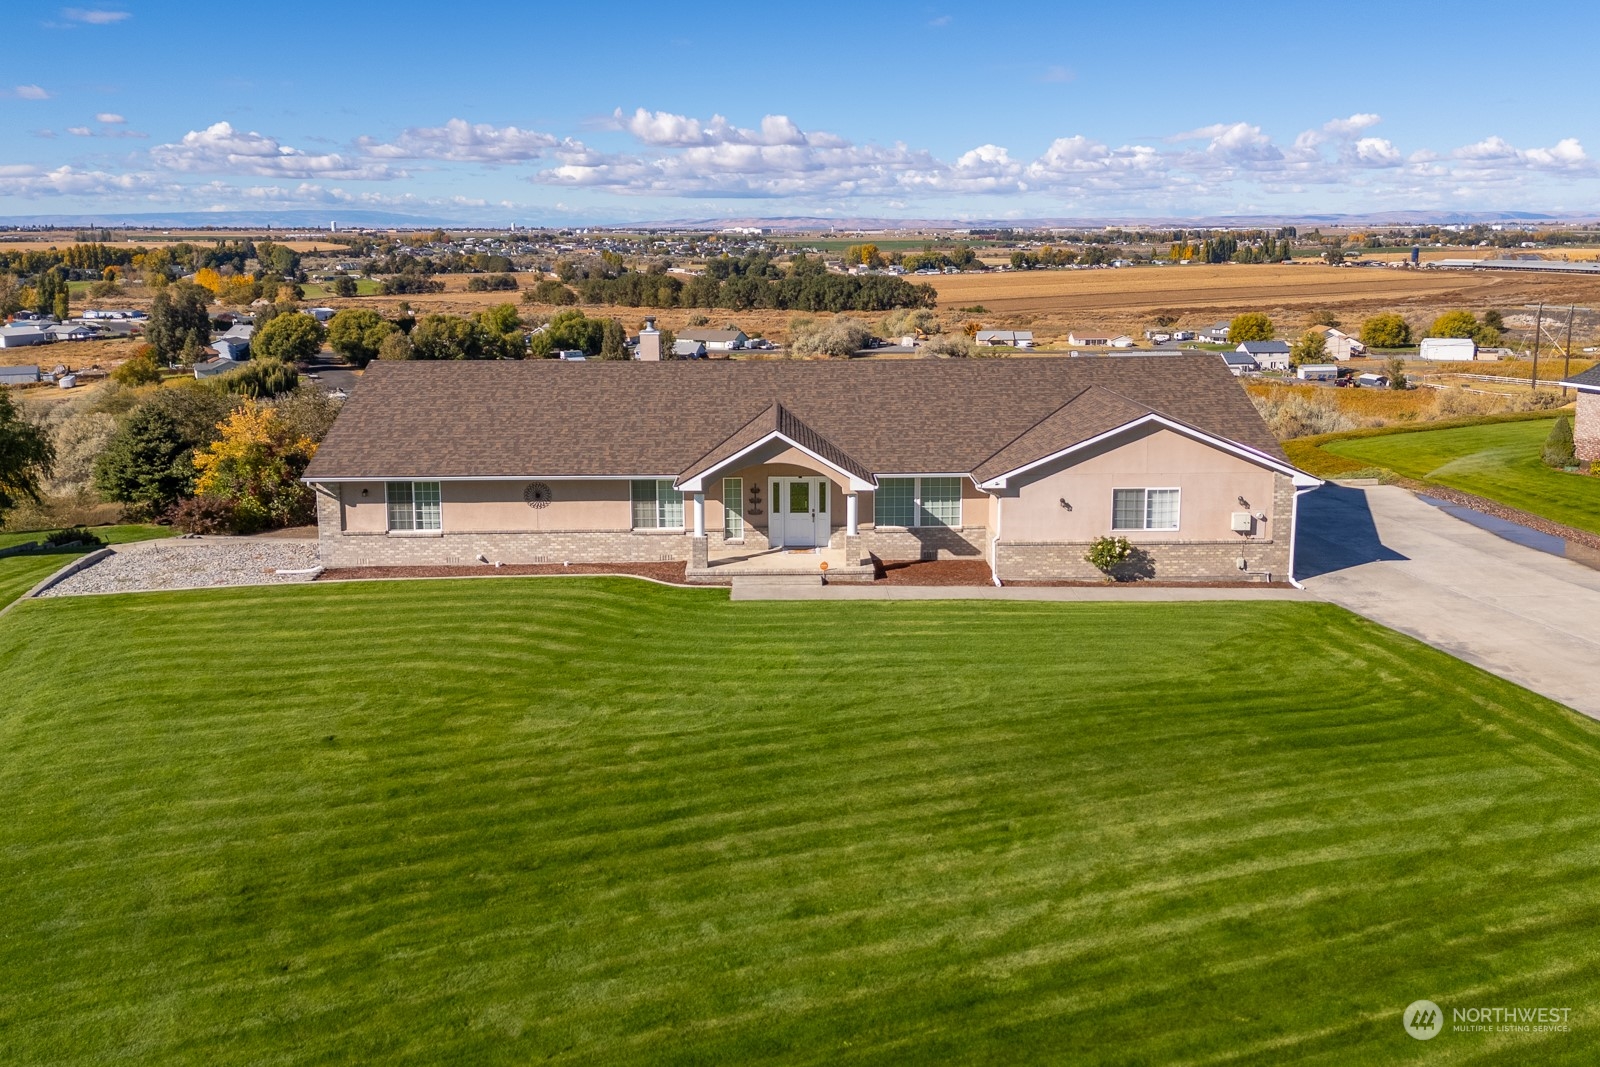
[807, 286]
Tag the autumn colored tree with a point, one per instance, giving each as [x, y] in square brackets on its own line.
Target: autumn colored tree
[1251, 326]
[256, 466]
[209, 278]
[1387, 330]
[1312, 347]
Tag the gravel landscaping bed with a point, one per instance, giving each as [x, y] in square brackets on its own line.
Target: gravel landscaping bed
[200, 564]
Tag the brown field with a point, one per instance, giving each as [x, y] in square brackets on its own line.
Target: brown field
[1056, 301]
[75, 355]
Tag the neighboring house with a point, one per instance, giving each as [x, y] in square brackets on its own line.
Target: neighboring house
[1317, 372]
[1340, 345]
[1020, 463]
[70, 331]
[1003, 338]
[715, 340]
[1450, 349]
[1269, 355]
[688, 348]
[235, 343]
[1100, 340]
[1216, 333]
[1586, 423]
[210, 368]
[236, 349]
[112, 313]
[20, 336]
[1240, 363]
[19, 375]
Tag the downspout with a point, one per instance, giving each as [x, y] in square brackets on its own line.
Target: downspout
[1294, 532]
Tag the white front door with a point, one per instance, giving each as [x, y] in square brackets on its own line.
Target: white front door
[800, 516]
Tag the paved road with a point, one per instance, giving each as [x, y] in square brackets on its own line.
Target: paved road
[1526, 615]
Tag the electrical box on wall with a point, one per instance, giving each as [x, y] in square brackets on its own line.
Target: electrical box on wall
[1243, 522]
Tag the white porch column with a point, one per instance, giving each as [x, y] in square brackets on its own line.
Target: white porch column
[852, 509]
[700, 514]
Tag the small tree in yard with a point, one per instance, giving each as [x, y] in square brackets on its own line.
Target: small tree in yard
[358, 333]
[1311, 348]
[1387, 330]
[1558, 447]
[256, 466]
[25, 456]
[1109, 553]
[288, 337]
[1395, 367]
[1251, 326]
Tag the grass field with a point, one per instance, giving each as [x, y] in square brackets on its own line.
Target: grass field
[597, 821]
[1500, 461]
[18, 574]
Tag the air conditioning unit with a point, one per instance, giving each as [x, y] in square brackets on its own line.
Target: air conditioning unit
[1243, 522]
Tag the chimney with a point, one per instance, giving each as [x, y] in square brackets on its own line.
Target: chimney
[649, 342]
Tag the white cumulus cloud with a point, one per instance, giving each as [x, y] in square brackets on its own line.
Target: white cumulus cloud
[220, 149]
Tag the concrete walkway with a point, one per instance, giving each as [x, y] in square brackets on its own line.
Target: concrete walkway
[1528, 616]
[1122, 594]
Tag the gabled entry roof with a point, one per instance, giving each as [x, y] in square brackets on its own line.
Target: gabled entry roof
[776, 424]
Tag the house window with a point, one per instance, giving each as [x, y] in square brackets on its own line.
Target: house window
[733, 509]
[1144, 509]
[939, 502]
[917, 502]
[657, 506]
[413, 505]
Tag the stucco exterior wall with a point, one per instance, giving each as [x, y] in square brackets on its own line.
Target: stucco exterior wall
[1210, 483]
[1586, 427]
[1197, 557]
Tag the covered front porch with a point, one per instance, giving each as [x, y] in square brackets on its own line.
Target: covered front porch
[776, 501]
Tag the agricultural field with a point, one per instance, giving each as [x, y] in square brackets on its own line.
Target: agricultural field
[1500, 461]
[531, 820]
[1052, 302]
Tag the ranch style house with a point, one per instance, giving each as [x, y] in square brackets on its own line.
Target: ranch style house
[804, 467]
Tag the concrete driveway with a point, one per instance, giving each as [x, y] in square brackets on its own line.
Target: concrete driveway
[1530, 617]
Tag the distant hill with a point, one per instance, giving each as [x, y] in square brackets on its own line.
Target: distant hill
[320, 219]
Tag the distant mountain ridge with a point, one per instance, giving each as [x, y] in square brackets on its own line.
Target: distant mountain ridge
[321, 220]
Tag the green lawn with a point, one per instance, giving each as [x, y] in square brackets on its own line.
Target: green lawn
[18, 574]
[111, 535]
[599, 821]
[1498, 460]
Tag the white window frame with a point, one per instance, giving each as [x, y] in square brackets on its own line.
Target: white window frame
[418, 518]
[917, 510]
[733, 514]
[660, 517]
[1145, 511]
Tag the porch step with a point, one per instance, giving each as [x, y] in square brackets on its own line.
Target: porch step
[749, 582]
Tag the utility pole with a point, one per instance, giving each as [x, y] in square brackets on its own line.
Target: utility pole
[1566, 355]
[1538, 332]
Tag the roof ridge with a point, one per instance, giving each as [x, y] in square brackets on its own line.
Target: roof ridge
[737, 430]
[1049, 415]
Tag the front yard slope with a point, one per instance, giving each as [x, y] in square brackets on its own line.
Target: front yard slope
[597, 821]
[1500, 461]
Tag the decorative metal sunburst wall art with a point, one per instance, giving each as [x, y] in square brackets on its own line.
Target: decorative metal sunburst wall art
[537, 495]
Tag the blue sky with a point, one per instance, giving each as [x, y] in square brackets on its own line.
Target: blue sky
[545, 113]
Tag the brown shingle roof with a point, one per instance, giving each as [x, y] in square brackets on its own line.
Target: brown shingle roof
[1089, 414]
[552, 418]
